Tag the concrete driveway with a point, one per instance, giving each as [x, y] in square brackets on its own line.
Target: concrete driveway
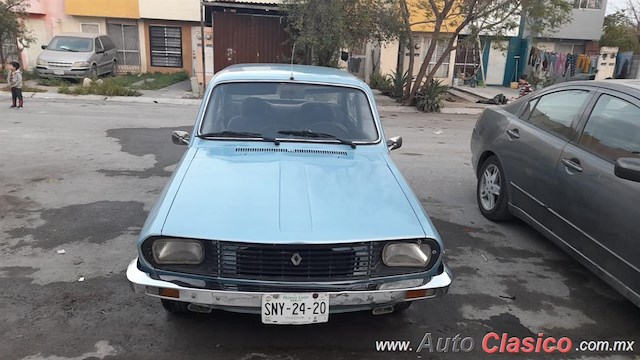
[81, 177]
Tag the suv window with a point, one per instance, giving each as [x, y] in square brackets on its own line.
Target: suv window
[613, 129]
[556, 112]
[98, 46]
[107, 43]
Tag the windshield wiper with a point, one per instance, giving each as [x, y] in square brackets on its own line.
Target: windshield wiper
[67, 49]
[317, 135]
[239, 134]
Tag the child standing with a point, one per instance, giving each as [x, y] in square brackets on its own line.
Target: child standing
[15, 82]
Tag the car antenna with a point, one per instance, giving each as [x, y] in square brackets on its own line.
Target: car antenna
[293, 52]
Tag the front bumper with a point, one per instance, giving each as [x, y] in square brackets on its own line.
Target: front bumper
[250, 302]
[63, 73]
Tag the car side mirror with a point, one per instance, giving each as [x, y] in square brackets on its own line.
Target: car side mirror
[394, 143]
[628, 168]
[44, 47]
[180, 137]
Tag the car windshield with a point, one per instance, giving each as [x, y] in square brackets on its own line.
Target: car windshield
[70, 43]
[290, 111]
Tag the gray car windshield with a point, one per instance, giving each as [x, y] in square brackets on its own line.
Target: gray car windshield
[69, 43]
[290, 111]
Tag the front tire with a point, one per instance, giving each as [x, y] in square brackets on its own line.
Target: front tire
[402, 307]
[491, 191]
[114, 69]
[175, 307]
[94, 72]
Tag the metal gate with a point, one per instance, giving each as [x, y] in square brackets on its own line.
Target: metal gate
[467, 59]
[9, 50]
[248, 38]
[125, 36]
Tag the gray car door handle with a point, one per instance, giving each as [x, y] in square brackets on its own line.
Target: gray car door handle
[514, 134]
[573, 164]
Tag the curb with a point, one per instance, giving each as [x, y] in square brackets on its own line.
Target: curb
[124, 99]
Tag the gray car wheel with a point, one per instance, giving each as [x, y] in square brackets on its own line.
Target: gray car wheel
[94, 72]
[491, 191]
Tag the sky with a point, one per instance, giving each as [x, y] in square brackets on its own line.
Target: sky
[613, 5]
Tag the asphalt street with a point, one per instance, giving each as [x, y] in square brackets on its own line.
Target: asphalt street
[81, 176]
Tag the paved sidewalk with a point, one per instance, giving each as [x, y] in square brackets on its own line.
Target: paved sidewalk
[488, 92]
[149, 98]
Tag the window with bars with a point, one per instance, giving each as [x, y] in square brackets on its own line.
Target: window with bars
[443, 69]
[587, 4]
[165, 43]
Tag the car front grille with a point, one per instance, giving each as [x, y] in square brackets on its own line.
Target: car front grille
[295, 262]
[248, 262]
[59, 65]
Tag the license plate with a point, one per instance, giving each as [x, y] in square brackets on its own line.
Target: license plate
[295, 309]
[58, 72]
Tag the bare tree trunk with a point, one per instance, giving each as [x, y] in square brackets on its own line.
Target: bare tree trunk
[425, 63]
[412, 51]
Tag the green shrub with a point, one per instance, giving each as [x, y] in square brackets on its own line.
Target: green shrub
[107, 88]
[380, 82]
[430, 96]
[397, 85]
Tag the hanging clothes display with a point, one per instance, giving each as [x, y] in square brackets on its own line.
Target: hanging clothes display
[623, 64]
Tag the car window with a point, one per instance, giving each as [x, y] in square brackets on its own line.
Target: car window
[106, 42]
[268, 108]
[71, 44]
[98, 45]
[613, 129]
[528, 108]
[556, 112]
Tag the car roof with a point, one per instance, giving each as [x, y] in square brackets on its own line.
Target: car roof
[284, 72]
[81, 35]
[627, 86]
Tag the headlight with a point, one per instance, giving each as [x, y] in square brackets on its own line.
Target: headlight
[80, 64]
[42, 62]
[177, 251]
[406, 254]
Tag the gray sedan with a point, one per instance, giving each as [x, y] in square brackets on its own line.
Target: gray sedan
[566, 160]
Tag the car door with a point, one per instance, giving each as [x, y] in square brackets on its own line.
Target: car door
[532, 145]
[596, 212]
[110, 50]
[101, 56]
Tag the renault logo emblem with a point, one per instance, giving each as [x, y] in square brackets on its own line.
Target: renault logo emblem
[296, 259]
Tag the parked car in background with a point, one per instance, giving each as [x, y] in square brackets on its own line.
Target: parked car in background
[566, 160]
[78, 55]
[287, 204]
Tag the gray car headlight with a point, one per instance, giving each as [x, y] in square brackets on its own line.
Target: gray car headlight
[406, 254]
[177, 251]
[42, 62]
[80, 64]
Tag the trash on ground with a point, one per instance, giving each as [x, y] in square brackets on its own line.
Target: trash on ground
[438, 132]
[81, 279]
[61, 251]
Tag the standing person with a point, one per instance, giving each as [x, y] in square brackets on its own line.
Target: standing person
[525, 87]
[15, 82]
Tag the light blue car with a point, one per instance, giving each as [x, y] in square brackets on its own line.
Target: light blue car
[286, 204]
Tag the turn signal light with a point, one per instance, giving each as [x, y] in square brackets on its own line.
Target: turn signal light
[173, 293]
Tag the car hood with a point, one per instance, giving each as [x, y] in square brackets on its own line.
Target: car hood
[64, 56]
[282, 198]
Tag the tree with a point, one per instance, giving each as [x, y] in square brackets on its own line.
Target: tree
[620, 32]
[321, 28]
[12, 15]
[493, 18]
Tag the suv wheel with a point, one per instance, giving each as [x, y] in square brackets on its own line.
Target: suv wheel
[491, 191]
[175, 307]
[114, 69]
[94, 72]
